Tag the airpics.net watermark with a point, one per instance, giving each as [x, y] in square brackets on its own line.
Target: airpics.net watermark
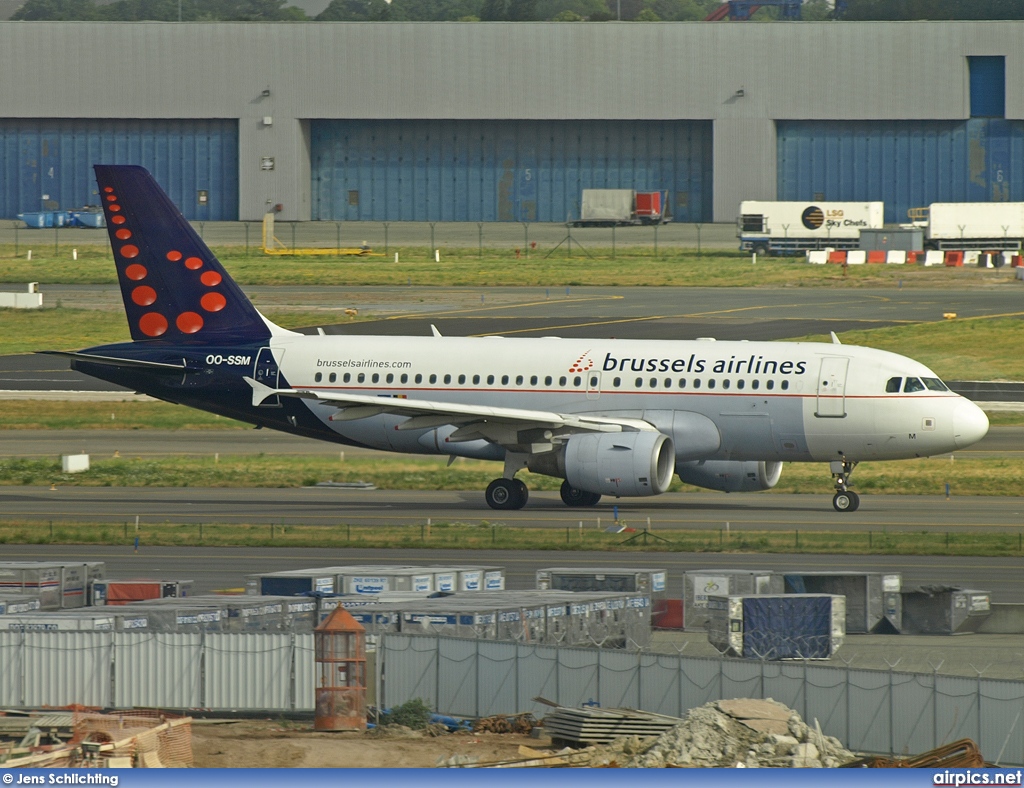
[959, 777]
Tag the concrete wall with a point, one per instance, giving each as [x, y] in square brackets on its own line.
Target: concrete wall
[828, 70]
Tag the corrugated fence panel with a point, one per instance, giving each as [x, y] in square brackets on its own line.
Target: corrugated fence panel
[411, 668]
[785, 683]
[907, 164]
[577, 676]
[958, 707]
[914, 714]
[741, 680]
[826, 700]
[249, 670]
[661, 685]
[62, 668]
[162, 670]
[12, 664]
[538, 670]
[702, 681]
[486, 171]
[305, 672]
[619, 679]
[1002, 732]
[499, 673]
[869, 711]
[458, 677]
[48, 163]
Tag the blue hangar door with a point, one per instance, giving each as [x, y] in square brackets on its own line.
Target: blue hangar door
[503, 171]
[908, 164]
[47, 164]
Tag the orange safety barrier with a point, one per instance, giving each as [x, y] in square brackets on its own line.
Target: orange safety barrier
[876, 257]
[1016, 262]
[837, 257]
[912, 257]
[954, 259]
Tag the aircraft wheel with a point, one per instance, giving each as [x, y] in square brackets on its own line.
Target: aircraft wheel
[846, 501]
[505, 494]
[524, 492]
[573, 497]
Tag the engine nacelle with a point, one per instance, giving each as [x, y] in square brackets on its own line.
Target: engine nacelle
[620, 463]
[730, 475]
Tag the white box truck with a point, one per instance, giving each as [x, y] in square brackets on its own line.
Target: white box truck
[795, 227]
[986, 226]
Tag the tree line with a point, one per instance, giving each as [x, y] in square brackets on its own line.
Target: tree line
[498, 10]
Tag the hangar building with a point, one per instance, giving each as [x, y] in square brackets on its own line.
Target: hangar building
[510, 121]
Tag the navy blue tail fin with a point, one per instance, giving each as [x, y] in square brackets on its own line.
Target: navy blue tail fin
[172, 285]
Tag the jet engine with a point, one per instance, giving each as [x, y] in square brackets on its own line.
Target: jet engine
[620, 463]
[731, 475]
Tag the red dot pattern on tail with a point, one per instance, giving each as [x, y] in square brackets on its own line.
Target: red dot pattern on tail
[189, 322]
[174, 256]
[144, 295]
[153, 324]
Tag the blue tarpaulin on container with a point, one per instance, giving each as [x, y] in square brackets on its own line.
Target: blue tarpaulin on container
[798, 627]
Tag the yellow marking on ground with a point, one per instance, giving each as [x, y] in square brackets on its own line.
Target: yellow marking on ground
[496, 307]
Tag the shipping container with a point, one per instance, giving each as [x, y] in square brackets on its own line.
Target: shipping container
[59, 585]
[122, 592]
[792, 227]
[974, 225]
[701, 584]
[774, 627]
[873, 602]
[944, 610]
[292, 583]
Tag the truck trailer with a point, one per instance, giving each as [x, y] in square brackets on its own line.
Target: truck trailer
[795, 227]
[987, 226]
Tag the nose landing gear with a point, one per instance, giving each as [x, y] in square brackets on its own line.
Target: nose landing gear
[845, 500]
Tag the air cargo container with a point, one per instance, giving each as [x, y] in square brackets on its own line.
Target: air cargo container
[773, 627]
[975, 225]
[60, 585]
[794, 227]
[293, 582]
[652, 582]
[701, 584]
[944, 610]
[20, 604]
[611, 207]
[122, 592]
[873, 603]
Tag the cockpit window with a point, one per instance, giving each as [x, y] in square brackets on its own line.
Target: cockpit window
[934, 384]
[912, 384]
[893, 385]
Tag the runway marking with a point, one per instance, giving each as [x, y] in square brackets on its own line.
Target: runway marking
[496, 307]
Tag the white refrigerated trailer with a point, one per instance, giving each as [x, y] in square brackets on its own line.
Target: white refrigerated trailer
[795, 227]
[986, 226]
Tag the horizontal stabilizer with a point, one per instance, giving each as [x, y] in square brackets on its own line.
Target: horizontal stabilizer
[113, 361]
[259, 391]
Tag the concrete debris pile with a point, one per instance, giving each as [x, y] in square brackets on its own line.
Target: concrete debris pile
[733, 733]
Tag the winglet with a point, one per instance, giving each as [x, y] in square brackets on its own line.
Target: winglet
[259, 391]
[835, 339]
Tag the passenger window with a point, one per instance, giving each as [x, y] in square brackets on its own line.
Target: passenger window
[682, 383]
[593, 382]
[504, 380]
[576, 381]
[390, 378]
[654, 383]
[547, 380]
[892, 386]
[447, 378]
[741, 383]
[519, 380]
[433, 378]
[332, 377]
[361, 377]
[755, 384]
[490, 380]
[419, 378]
[346, 377]
[785, 385]
[318, 377]
[462, 380]
[617, 382]
[711, 383]
[405, 378]
[375, 378]
[912, 384]
[770, 385]
[725, 383]
[533, 380]
[934, 384]
[696, 383]
[476, 380]
[668, 383]
[562, 380]
[639, 383]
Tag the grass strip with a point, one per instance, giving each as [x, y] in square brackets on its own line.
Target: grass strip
[77, 415]
[630, 266]
[993, 476]
[488, 535]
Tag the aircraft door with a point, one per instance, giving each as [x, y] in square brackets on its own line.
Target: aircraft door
[593, 384]
[267, 371]
[832, 387]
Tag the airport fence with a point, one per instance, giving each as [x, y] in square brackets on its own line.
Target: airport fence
[881, 711]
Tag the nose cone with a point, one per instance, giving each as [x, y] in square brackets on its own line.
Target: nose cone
[970, 424]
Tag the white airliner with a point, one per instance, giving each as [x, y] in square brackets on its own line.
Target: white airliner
[609, 417]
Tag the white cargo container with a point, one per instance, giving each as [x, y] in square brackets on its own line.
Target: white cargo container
[792, 227]
[975, 225]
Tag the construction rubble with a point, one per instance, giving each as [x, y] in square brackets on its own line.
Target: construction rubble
[742, 733]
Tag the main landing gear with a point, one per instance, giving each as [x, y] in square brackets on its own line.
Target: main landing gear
[506, 494]
[845, 500]
[573, 497]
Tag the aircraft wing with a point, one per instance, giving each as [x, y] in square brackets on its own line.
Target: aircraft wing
[499, 425]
